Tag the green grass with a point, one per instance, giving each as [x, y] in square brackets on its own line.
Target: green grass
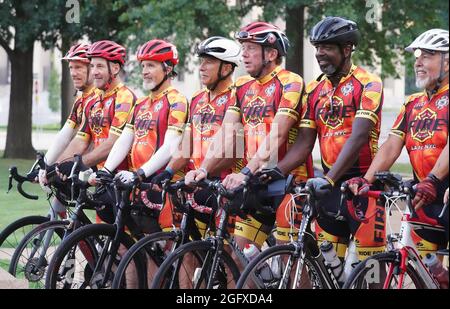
[47, 127]
[13, 205]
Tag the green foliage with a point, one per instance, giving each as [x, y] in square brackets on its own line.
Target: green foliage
[400, 23]
[54, 89]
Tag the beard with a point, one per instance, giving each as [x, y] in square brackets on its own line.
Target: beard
[425, 82]
[328, 69]
[148, 86]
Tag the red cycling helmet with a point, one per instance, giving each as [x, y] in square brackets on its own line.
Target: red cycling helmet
[78, 52]
[158, 50]
[108, 50]
[265, 34]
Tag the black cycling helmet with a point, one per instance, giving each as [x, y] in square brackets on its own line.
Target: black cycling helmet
[335, 30]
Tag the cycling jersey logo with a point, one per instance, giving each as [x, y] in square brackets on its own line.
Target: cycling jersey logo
[143, 124]
[203, 119]
[442, 102]
[347, 89]
[255, 111]
[270, 90]
[108, 103]
[221, 101]
[158, 106]
[331, 117]
[97, 120]
[422, 127]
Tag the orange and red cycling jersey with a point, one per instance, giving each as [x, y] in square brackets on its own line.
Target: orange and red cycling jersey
[107, 113]
[151, 118]
[423, 126]
[76, 114]
[259, 101]
[331, 113]
[205, 120]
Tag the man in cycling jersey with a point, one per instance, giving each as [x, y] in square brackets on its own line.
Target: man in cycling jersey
[218, 59]
[422, 127]
[79, 66]
[343, 108]
[155, 125]
[267, 107]
[105, 115]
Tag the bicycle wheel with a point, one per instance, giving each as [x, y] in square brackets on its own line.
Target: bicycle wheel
[153, 249]
[190, 267]
[275, 268]
[30, 259]
[80, 261]
[11, 236]
[373, 273]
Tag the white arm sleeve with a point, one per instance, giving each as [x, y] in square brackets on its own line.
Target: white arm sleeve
[164, 154]
[120, 149]
[60, 143]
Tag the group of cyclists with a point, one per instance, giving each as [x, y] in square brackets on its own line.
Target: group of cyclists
[263, 125]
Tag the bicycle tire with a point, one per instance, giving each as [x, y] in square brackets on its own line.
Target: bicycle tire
[358, 277]
[202, 251]
[142, 249]
[315, 271]
[8, 239]
[89, 237]
[31, 270]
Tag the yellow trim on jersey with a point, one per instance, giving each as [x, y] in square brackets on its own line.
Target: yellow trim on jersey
[250, 229]
[288, 112]
[269, 76]
[362, 113]
[176, 129]
[83, 136]
[129, 127]
[307, 123]
[115, 131]
[71, 123]
[284, 233]
[234, 109]
[398, 133]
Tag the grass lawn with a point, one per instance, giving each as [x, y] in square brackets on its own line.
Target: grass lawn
[13, 205]
[404, 169]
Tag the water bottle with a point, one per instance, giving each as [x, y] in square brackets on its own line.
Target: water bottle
[250, 252]
[351, 260]
[332, 260]
[437, 269]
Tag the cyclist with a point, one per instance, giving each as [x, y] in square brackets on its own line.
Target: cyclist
[105, 115]
[267, 106]
[422, 127]
[155, 125]
[219, 57]
[343, 108]
[82, 81]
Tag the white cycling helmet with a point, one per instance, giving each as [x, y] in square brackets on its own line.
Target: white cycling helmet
[434, 39]
[221, 48]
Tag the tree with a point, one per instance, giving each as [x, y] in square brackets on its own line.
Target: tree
[21, 24]
[54, 98]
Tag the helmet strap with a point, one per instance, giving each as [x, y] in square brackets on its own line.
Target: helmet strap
[219, 77]
[264, 63]
[111, 78]
[166, 76]
[441, 77]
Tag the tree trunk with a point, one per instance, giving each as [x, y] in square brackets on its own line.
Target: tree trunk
[67, 89]
[295, 18]
[18, 138]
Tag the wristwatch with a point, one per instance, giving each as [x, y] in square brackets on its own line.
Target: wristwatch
[141, 174]
[246, 171]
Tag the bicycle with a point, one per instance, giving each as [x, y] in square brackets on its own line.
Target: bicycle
[95, 250]
[12, 235]
[206, 263]
[288, 262]
[157, 246]
[31, 257]
[401, 266]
